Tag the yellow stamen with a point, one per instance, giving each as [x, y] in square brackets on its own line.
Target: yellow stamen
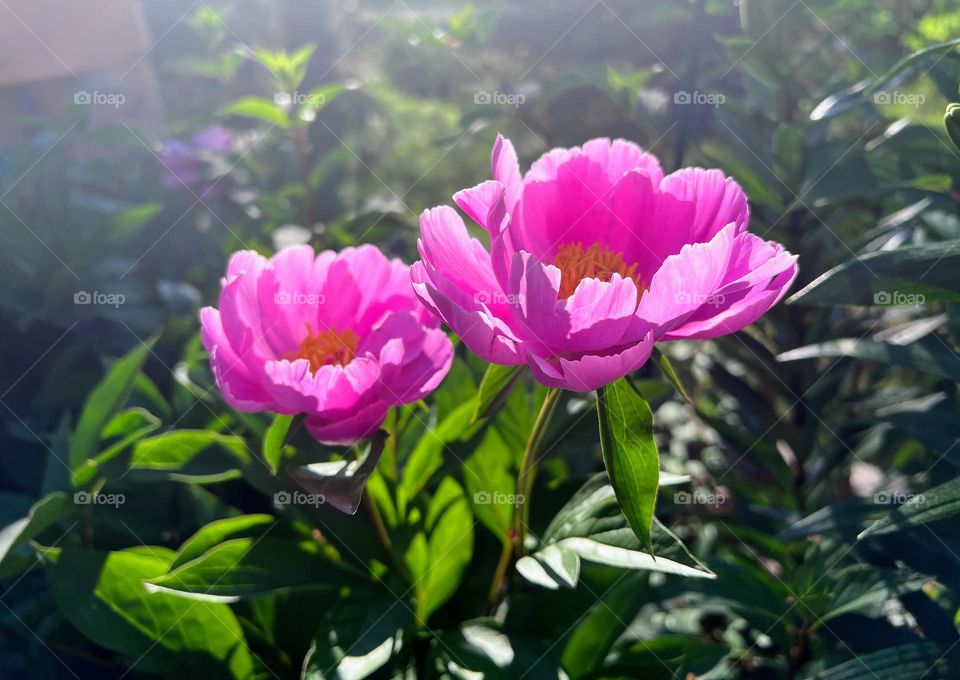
[326, 347]
[596, 262]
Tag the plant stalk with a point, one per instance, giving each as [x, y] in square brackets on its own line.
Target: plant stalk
[528, 469]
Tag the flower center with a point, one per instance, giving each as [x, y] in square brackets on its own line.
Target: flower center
[596, 262]
[327, 347]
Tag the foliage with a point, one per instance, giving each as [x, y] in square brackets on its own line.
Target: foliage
[780, 503]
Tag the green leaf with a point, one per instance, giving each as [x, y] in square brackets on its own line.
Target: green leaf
[494, 387]
[130, 426]
[937, 504]
[103, 596]
[630, 454]
[951, 122]
[602, 625]
[859, 587]
[928, 354]
[438, 569]
[357, 638]
[273, 441]
[104, 401]
[914, 660]
[43, 514]
[317, 99]
[211, 535]
[484, 648]
[257, 108]
[909, 275]
[174, 450]
[673, 656]
[671, 375]
[288, 70]
[427, 456]
[590, 526]
[551, 567]
[251, 566]
[130, 220]
[857, 94]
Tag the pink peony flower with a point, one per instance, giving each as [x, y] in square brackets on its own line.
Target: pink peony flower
[339, 337]
[594, 256]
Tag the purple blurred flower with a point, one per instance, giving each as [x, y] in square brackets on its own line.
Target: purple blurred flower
[183, 162]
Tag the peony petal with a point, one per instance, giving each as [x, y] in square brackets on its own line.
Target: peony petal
[487, 335]
[240, 314]
[719, 201]
[413, 359]
[621, 156]
[296, 389]
[447, 248]
[239, 386]
[346, 429]
[687, 280]
[537, 311]
[591, 371]
[505, 169]
[596, 317]
[383, 286]
[573, 207]
[598, 314]
[290, 293]
[484, 204]
[759, 278]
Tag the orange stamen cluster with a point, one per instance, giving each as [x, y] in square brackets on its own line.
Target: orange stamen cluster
[327, 347]
[596, 262]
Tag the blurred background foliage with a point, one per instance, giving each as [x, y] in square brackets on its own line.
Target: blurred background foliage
[817, 449]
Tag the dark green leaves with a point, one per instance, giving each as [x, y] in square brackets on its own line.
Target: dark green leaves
[103, 596]
[438, 557]
[43, 514]
[630, 453]
[250, 566]
[273, 441]
[591, 527]
[909, 275]
[358, 637]
[951, 121]
[928, 355]
[106, 399]
[936, 505]
[494, 388]
[248, 556]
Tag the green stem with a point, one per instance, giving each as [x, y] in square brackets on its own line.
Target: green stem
[528, 469]
[503, 565]
[380, 529]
